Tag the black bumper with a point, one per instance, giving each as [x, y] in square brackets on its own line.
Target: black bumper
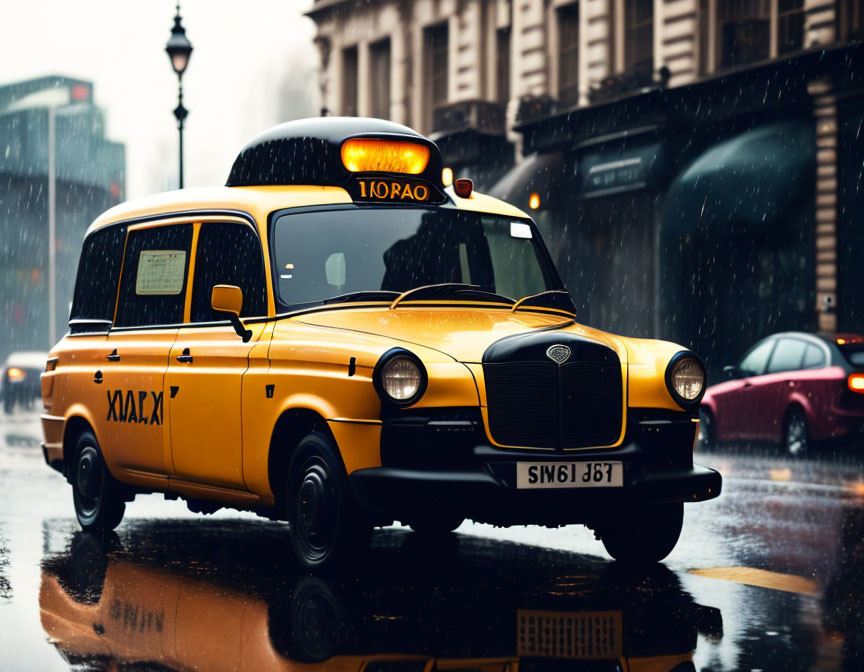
[487, 492]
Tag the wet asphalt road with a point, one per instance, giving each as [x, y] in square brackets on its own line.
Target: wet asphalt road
[770, 576]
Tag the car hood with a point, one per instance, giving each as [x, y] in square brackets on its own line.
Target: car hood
[461, 333]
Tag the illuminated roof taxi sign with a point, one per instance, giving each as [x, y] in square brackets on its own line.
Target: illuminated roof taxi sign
[374, 160]
[364, 155]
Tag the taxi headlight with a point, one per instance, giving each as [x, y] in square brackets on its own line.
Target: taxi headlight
[686, 379]
[400, 377]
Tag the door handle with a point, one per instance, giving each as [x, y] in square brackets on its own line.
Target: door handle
[185, 357]
[97, 377]
[113, 357]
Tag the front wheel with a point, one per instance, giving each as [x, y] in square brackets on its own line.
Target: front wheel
[644, 535]
[99, 504]
[707, 431]
[326, 525]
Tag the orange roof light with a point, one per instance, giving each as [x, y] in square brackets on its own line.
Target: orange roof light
[14, 373]
[361, 155]
[856, 382]
[463, 187]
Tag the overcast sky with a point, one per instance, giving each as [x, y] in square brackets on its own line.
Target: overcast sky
[253, 66]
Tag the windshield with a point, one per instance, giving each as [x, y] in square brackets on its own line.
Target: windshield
[333, 253]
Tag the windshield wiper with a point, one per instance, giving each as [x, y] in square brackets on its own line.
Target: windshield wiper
[464, 291]
[366, 295]
[552, 298]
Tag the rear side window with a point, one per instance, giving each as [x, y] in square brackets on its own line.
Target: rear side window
[756, 360]
[98, 273]
[787, 356]
[814, 358]
[854, 354]
[228, 254]
[155, 268]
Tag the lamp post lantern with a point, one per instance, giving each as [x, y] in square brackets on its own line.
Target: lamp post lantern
[179, 49]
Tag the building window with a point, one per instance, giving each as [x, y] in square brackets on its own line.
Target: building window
[568, 54]
[436, 45]
[850, 18]
[379, 77]
[744, 28]
[790, 25]
[349, 82]
[502, 65]
[638, 36]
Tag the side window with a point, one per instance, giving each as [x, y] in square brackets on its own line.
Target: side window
[155, 268]
[228, 254]
[756, 360]
[787, 355]
[98, 274]
[814, 358]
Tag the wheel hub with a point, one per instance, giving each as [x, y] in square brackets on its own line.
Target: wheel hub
[89, 476]
[314, 502]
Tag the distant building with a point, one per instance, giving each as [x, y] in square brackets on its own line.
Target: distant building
[90, 177]
[697, 163]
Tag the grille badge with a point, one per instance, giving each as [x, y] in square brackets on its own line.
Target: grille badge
[558, 353]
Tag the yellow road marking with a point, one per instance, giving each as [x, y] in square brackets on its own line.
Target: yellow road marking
[761, 578]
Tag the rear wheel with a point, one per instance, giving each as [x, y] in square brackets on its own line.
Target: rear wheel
[326, 524]
[644, 535]
[796, 434]
[98, 499]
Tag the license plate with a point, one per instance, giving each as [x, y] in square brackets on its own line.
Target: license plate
[589, 634]
[531, 475]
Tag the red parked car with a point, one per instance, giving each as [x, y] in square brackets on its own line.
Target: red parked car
[794, 388]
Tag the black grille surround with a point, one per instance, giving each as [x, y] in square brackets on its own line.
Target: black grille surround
[532, 402]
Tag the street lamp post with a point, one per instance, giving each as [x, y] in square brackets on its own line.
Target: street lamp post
[179, 49]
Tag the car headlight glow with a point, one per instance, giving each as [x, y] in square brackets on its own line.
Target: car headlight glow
[687, 378]
[401, 378]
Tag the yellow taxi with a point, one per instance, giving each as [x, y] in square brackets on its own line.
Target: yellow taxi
[339, 338]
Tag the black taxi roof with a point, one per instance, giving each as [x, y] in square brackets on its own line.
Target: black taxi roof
[307, 151]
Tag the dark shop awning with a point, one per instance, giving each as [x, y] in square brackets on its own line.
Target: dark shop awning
[541, 174]
[745, 184]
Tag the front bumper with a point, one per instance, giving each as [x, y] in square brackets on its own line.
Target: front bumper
[481, 485]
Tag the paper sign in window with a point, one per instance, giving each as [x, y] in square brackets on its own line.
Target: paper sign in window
[160, 272]
[520, 230]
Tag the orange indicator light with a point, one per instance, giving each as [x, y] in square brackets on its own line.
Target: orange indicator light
[534, 201]
[361, 155]
[14, 373]
[856, 382]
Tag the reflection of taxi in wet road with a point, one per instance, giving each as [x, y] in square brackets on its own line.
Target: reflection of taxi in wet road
[135, 606]
[340, 340]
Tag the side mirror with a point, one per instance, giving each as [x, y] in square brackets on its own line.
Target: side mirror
[731, 371]
[229, 299]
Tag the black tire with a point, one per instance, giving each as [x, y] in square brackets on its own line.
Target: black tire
[796, 434]
[707, 431]
[98, 498]
[435, 525]
[645, 534]
[326, 524]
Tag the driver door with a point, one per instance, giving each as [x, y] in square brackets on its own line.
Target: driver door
[208, 359]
